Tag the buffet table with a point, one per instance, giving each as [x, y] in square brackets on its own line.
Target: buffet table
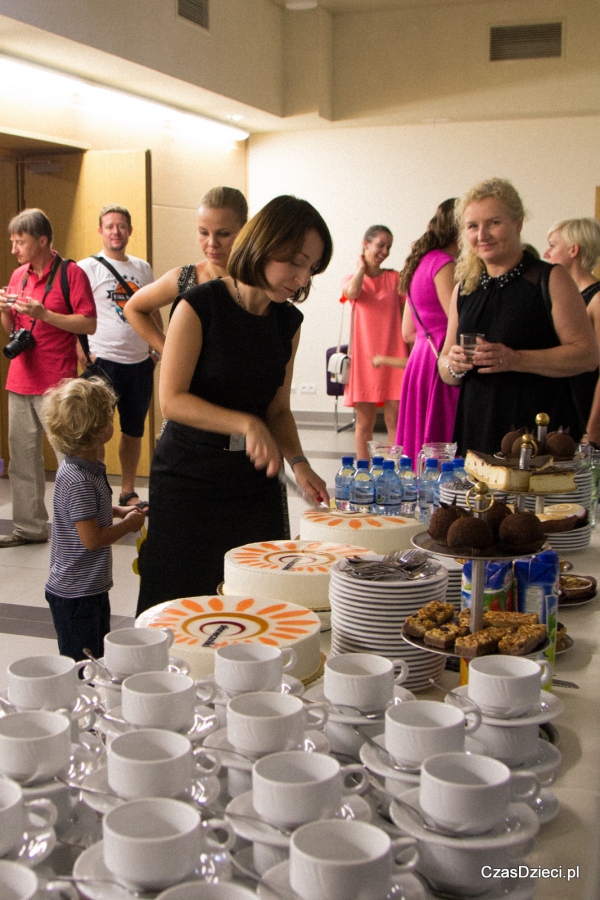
[573, 839]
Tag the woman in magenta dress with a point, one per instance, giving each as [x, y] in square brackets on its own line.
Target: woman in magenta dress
[376, 331]
[427, 405]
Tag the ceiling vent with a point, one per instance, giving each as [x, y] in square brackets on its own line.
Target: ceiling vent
[195, 11]
[539, 41]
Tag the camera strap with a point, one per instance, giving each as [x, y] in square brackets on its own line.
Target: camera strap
[126, 287]
[48, 287]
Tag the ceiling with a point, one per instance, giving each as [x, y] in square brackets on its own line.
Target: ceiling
[362, 6]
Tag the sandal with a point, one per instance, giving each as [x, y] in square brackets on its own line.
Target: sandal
[125, 498]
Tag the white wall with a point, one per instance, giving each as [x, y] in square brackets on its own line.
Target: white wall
[357, 177]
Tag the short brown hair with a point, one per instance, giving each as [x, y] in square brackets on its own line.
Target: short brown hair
[114, 207]
[76, 411]
[277, 232]
[33, 222]
[226, 198]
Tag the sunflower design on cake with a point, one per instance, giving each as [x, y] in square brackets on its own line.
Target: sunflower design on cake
[380, 534]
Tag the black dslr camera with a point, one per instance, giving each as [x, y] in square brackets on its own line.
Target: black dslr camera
[19, 341]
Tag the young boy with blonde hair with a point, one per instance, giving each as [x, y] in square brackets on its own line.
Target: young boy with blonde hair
[79, 418]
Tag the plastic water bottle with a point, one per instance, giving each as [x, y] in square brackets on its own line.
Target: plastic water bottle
[342, 483]
[408, 480]
[362, 488]
[446, 476]
[388, 490]
[460, 473]
[376, 466]
[427, 490]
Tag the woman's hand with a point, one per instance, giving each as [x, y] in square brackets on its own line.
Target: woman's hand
[458, 360]
[492, 358]
[311, 483]
[361, 264]
[261, 447]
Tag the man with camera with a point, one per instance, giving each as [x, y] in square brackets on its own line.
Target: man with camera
[119, 350]
[43, 326]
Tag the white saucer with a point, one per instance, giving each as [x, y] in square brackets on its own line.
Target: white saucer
[201, 791]
[354, 807]
[204, 723]
[316, 694]
[374, 762]
[549, 708]
[87, 700]
[406, 887]
[212, 867]
[289, 685]
[34, 849]
[547, 760]
[86, 756]
[232, 758]
[521, 824]
[508, 889]
[175, 665]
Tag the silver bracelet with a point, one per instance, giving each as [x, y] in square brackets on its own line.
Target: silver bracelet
[297, 459]
[455, 374]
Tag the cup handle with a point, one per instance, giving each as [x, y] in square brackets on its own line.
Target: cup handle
[205, 691]
[207, 762]
[214, 825]
[547, 671]
[170, 636]
[403, 666]
[289, 658]
[316, 716]
[524, 778]
[472, 719]
[402, 860]
[45, 809]
[92, 668]
[362, 782]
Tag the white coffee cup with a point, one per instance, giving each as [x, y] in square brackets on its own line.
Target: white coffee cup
[155, 843]
[154, 762]
[507, 687]
[336, 859]
[198, 890]
[46, 682]
[128, 651]
[468, 793]
[163, 699]
[422, 728]
[266, 722]
[246, 668]
[17, 882]
[294, 787]
[34, 746]
[364, 681]
[15, 815]
[513, 746]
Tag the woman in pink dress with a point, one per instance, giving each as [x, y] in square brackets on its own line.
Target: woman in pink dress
[427, 405]
[376, 331]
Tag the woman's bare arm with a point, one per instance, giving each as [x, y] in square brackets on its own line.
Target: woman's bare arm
[140, 310]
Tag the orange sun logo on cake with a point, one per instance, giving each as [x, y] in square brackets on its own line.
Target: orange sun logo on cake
[216, 621]
[352, 520]
[293, 556]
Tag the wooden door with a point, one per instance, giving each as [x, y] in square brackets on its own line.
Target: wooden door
[72, 188]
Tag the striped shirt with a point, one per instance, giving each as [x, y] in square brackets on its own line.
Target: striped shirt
[81, 491]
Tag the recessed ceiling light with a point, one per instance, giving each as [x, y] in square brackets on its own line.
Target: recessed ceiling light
[234, 117]
[301, 4]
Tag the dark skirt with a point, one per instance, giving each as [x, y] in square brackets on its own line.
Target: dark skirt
[204, 500]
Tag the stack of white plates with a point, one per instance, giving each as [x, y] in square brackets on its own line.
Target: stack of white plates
[454, 579]
[567, 541]
[367, 617]
[450, 491]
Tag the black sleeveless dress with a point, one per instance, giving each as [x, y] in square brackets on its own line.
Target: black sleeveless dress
[204, 497]
[513, 309]
[584, 385]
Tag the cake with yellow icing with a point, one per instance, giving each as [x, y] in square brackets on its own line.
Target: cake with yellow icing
[381, 534]
[294, 571]
[203, 624]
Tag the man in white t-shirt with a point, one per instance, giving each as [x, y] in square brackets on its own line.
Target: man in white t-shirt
[116, 347]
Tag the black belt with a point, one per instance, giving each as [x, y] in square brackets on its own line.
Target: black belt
[235, 442]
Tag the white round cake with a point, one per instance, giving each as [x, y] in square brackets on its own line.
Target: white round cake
[294, 571]
[202, 624]
[381, 534]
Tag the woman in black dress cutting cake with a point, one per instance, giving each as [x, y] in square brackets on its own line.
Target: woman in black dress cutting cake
[534, 322]
[225, 390]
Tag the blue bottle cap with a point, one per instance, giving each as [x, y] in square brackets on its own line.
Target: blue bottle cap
[431, 464]
[389, 464]
[362, 463]
[405, 462]
[347, 460]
